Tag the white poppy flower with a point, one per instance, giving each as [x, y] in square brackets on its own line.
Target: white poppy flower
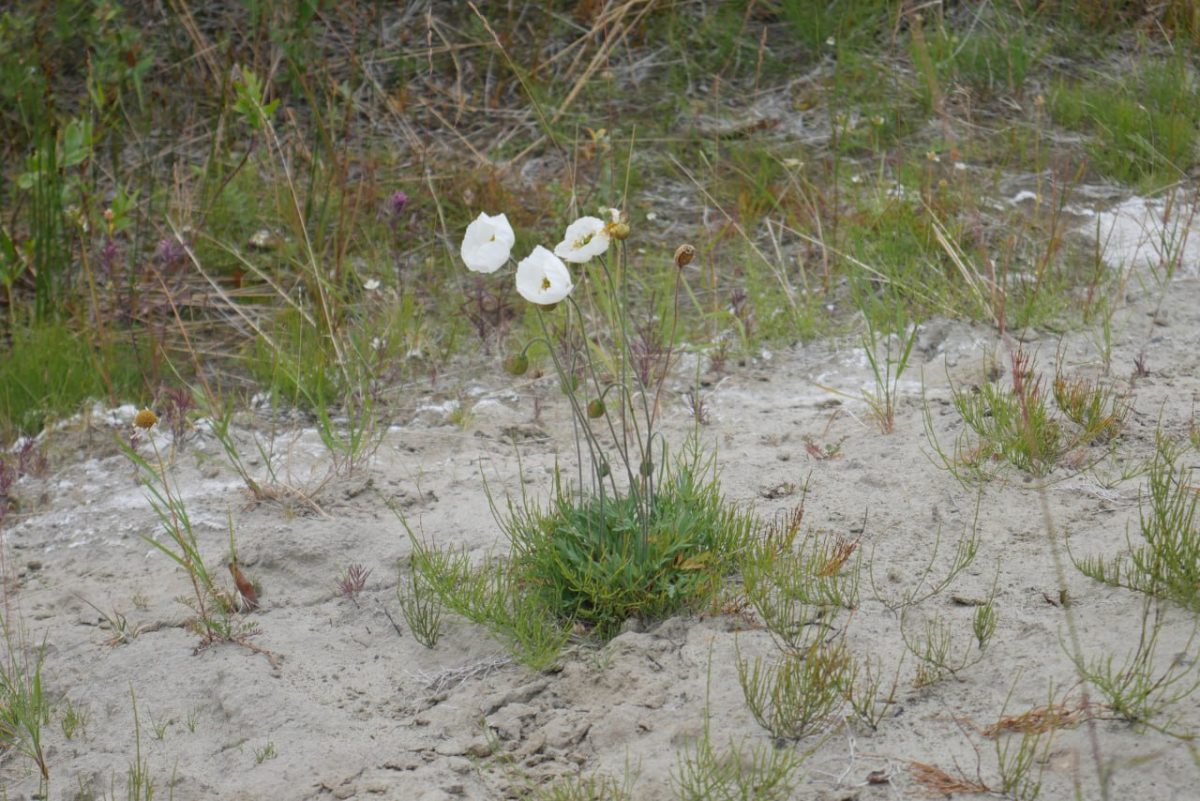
[542, 278]
[487, 243]
[585, 239]
[371, 284]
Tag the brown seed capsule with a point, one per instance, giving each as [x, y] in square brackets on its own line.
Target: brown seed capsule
[145, 419]
[684, 255]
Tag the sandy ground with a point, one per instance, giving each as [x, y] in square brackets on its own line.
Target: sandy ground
[353, 709]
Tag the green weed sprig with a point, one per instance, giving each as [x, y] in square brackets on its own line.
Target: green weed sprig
[1167, 565]
[214, 607]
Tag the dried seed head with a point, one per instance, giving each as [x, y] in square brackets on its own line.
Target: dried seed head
[684, 255]
[145, 419]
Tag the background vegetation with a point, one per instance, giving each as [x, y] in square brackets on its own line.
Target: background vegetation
[229, 197]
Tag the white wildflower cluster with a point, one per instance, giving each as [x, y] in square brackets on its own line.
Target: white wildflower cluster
[542, 276]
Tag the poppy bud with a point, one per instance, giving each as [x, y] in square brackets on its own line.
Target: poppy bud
[647, 468]
[516, 364]
[595, 408]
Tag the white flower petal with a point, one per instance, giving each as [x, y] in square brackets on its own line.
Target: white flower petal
[542, 278]
[487, 243]
[585, 239]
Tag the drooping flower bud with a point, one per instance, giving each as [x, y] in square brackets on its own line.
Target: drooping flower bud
[595, 408]
[516, 364]
[647, 468]
[603, 470]
[684, 255]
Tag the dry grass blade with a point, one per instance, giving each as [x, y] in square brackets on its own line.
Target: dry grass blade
[220, 292]
[984, 291]
[446, 680]
[612, 39]
[250, 267]
[203, 48]
[546, 126]
[1041, 719]
[780, 275]
[937, 782]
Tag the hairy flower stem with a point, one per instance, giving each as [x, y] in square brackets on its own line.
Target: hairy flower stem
[662, 377]
[620, 441]
[177, 528]
[645, 498]
[579, 414]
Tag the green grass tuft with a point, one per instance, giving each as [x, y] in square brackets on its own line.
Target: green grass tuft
[48, 371]
[1143, 127]
[590, 562]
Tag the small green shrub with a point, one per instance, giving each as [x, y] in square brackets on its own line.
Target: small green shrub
[1139, 687]
[1017, 425]
[1020, 426]
[739, 772]
[797, 695]
[588, 563]
[596, 787]
[1098, 411]
[485, 595]
[1167, 565]
[799, 585]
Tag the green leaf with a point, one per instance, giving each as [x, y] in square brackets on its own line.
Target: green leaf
[76, 142]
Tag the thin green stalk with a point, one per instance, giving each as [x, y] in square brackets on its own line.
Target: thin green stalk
[579, 415]
[646, 497]
[1060, 572]
[622, 447]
